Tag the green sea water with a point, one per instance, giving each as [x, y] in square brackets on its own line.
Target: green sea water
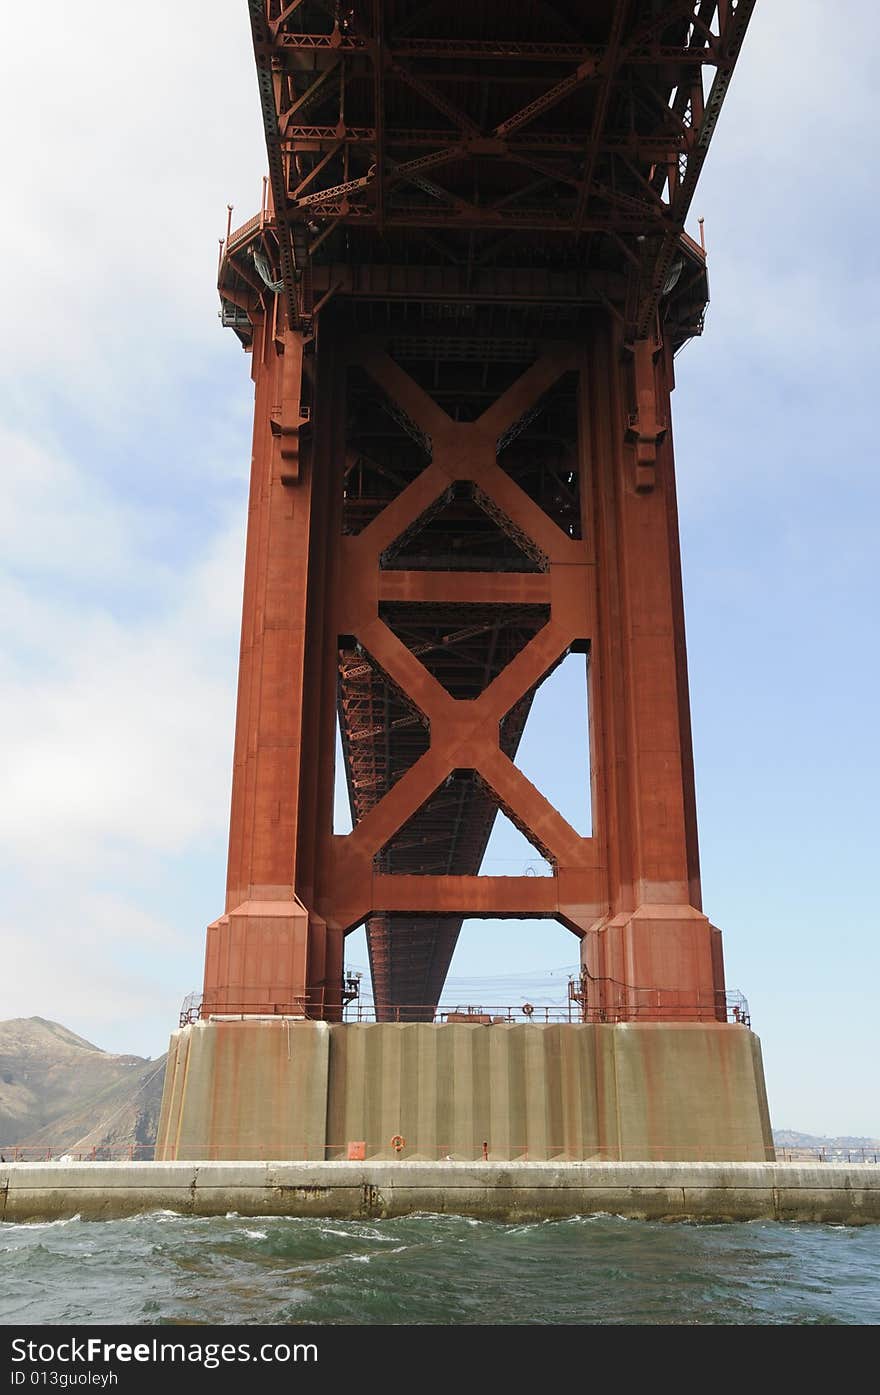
[170, 1269]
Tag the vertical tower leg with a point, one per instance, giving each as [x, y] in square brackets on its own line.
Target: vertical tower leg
[267, 952]
[654, 952]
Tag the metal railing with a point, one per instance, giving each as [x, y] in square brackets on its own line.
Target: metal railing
[253, 1002]
[629, 1005]
[612, 1000]
[473, 1013]
[827, 1154]
[479, 1150]
[42, 1152]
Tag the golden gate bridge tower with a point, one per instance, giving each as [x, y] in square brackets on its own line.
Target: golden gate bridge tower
[462, 298]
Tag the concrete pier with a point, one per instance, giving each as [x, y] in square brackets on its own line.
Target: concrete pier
[262, 1088]
[847, 1194]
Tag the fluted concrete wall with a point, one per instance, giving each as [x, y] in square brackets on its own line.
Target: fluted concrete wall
[253, 1089]
[651, 1091]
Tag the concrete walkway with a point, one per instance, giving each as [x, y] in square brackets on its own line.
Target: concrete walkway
[838, 1192]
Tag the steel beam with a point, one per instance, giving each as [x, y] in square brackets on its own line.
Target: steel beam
[463, 476]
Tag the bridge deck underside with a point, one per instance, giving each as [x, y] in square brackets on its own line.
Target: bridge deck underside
[559, 136]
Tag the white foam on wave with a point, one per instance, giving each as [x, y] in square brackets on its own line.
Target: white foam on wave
[587, 1218]
[43, 1225]
[447, 1217]
[256, 1234]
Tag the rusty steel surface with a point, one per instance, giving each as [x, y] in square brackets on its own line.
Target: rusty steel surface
[462, 299]
[422, 141]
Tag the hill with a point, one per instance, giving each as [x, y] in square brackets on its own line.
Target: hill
[836, 1147]
[62, 1093]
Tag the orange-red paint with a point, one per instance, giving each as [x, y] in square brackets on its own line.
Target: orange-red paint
[629, 891]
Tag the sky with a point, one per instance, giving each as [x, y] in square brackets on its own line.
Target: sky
[125, 416]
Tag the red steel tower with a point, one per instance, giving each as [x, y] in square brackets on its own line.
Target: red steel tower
[462, 299]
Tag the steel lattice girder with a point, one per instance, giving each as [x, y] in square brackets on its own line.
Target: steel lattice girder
[614, 115]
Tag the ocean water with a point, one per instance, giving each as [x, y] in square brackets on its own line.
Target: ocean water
[170, 1269]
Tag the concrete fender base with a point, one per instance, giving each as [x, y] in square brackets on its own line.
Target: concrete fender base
[266, 1088]
[831, 1192]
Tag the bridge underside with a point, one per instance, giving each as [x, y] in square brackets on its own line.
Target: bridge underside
[454, 143]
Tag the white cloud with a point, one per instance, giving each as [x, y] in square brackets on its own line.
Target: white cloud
[793, 278]
[122, 738]
[119, 601]
[55, 972]
[132, 130]
[56, 518]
